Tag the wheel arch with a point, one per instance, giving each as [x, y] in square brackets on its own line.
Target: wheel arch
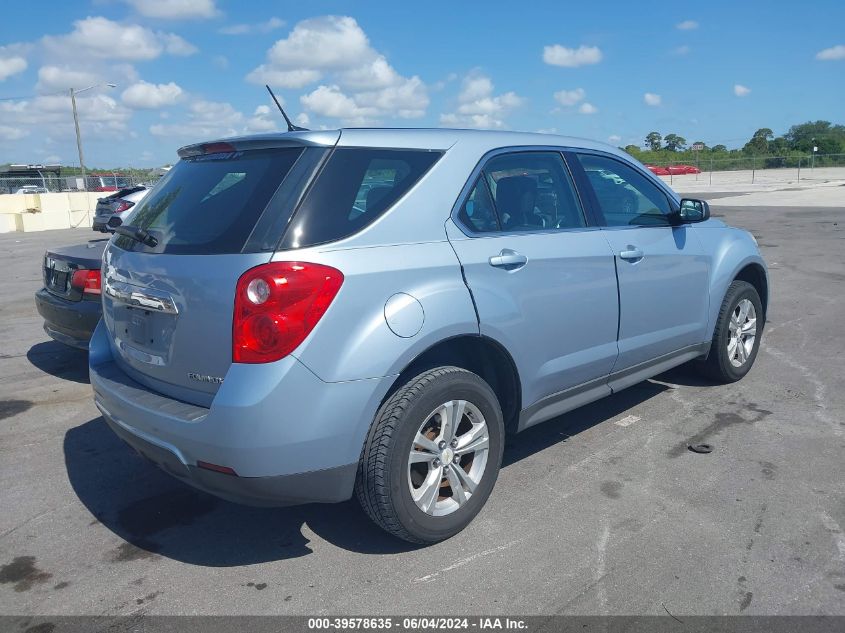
[755, 274]
[479, 354]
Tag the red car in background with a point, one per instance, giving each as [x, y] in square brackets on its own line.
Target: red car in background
[108, 182]
[674, 170]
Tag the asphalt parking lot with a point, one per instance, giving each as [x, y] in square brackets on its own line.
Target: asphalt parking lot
[602, 511]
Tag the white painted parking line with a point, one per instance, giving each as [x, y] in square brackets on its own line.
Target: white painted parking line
[628, 420]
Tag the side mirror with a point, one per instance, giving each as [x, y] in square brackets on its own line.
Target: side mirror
[114, 222]
[693, 210]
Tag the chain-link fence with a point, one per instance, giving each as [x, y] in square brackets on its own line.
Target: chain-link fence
[54, 184]
[753, 169]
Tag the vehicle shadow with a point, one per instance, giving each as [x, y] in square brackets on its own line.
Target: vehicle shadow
[60, 360]
[685, 375]
[157, 515]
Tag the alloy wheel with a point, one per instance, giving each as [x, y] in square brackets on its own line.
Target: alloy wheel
[448, 457]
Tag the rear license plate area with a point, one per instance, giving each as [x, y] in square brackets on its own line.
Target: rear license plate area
[138, 326]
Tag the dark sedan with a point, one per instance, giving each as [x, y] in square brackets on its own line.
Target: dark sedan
[70, 298]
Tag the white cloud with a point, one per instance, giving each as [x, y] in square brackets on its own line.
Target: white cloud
[687, 25]
[587, 108]
[652, 99]
[359, 84]
[328, 42]
[330, 101]
[176, 45]
[175, 9]
[99, 37]
[299, 78]
[557, 55]
[55, 78]
[264, 119]
[831, 54]
[682, 50]
[221, 62]
[478, 107]
[245, 29]
[11, 66]
[206, 120]
[404, 98]
[143, 95]
[741, 91]
[570, 97]
[614, 138]
[8, 133]
[99, 115]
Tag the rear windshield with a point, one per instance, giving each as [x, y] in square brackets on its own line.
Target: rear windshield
[355, 188]
[209, 204]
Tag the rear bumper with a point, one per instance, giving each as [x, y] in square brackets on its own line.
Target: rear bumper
[100, 222]
[290, 437]
[326, 485]
[69, 322]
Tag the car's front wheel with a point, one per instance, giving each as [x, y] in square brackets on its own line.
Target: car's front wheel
[736, 339]
[432, 456]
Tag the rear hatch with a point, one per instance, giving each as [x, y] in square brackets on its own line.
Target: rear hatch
[219, 212]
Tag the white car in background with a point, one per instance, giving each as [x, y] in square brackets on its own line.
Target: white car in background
[32, 189]
[120, 203]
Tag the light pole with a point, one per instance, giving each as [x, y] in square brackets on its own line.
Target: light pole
[73, 94]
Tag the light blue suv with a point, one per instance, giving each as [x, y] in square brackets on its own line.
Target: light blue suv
[306, 316]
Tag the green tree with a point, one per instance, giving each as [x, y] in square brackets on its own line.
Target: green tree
[778, 146]
[830, 139]
[719, 149]
[652, 141]
[632, 149]
[674, 143]
[759, 143]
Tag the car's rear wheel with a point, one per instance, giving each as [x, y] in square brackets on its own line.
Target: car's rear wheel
[736, 339]
[432, 456]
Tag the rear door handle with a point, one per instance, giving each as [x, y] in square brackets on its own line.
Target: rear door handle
[508, 259]
[632, 253]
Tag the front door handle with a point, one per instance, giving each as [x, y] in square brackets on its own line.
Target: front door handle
[508, 259]
[632, 254]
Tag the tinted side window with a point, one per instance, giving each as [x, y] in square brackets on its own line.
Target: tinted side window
[209, 204]
[355, 188]
[533, 191]
[625, 196]
[477, 212]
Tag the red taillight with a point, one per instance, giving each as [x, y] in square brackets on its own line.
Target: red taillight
[276, 307]
[124, 205]
[88, 281]
[217, 148]
[226, 470]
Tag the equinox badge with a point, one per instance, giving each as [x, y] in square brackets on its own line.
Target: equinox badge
[215, 380]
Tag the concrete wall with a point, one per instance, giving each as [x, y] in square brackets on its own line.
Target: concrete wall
[44, 211]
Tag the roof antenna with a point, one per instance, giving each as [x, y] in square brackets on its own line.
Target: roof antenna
[291, 126]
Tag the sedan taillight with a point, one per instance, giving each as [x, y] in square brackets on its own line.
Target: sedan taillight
[124, 205]
[88, 281]
[276, 307]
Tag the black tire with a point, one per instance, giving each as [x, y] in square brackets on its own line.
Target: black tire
[717, 366]
[382, 483]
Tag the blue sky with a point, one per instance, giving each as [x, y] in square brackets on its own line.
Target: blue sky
[189, 70]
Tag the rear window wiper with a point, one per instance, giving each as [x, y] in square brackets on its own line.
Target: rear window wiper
[136, 233]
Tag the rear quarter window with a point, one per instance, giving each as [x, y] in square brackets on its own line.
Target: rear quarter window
[210, 204]
[356, 187]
